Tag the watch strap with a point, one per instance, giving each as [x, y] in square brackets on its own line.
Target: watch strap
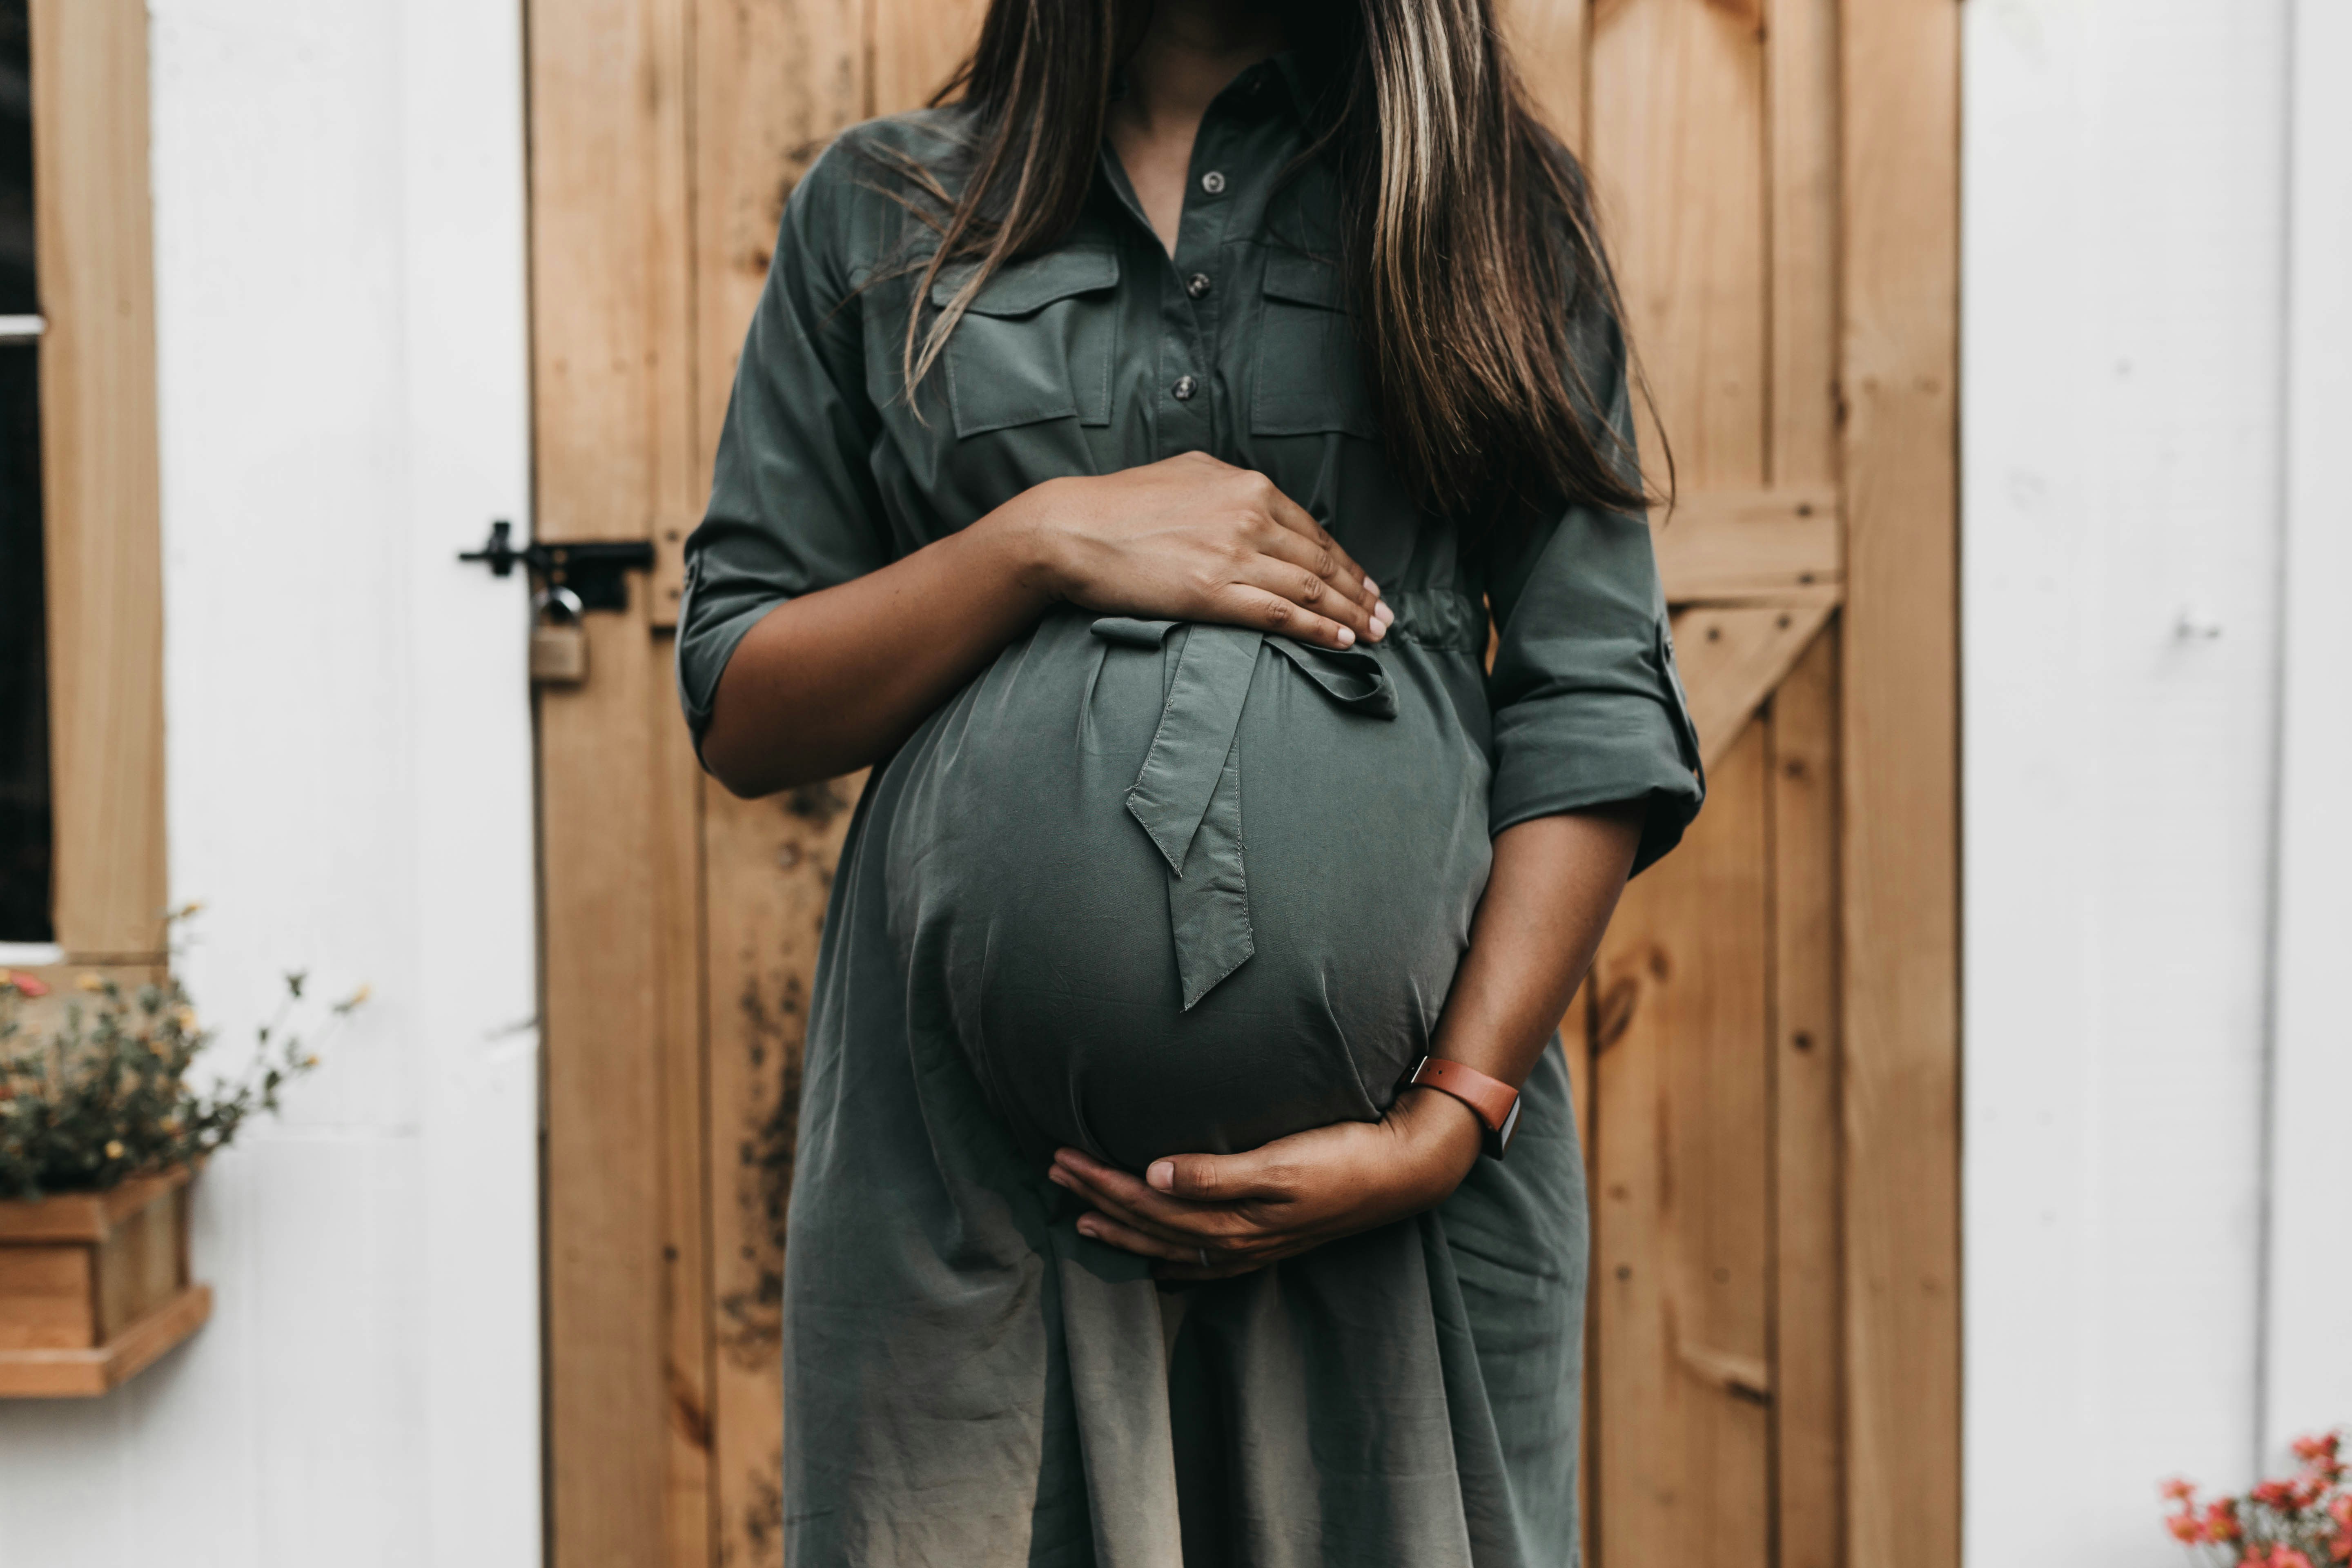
[1493, 1101]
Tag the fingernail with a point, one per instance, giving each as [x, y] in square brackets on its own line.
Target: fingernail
[1373, 587]
[1087, 1228]
[1054, 1174]
[1347, 637]
[1162, 1175]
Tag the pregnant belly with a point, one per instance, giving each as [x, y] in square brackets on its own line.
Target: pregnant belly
[1186, 888]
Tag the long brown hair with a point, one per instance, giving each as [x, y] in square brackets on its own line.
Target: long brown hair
[1468, 244]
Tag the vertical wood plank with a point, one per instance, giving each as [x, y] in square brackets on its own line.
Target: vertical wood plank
[608, 1399]
[1803, 125]
[611, 356]
[773, 84]
[916, 45]
[93, 229]
[1678, 140]
[1682, 1146]
[771, 866]
[676, 913]
[1808, 1332]
[1546, 40]
[1899, 866]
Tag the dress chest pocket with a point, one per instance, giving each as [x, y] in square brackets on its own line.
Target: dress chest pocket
[1036, 344]
[1310, 376]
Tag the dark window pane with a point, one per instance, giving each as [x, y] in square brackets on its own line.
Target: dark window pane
[17, 297]
[25, 871]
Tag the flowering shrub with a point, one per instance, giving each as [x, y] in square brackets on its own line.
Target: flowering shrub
[106, 1098]
[2305, 1522]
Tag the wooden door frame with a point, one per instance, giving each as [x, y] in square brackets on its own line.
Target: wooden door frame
[1899, 858]
[93, 222]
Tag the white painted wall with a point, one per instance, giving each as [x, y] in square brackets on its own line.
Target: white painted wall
[2127, 225]
[2309, 1359]
[339, 202]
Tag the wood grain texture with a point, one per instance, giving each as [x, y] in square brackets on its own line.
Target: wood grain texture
[1737, 546]
[93, 231]
[85, 1373]
[1808, 1314]
[1548, 43]
[676, 915]
[141, 1266]
[1802, 130]
[1677, 153]
[85, 1217]
[770, 869]
[1731, 658]
[1680, 1161]
[1900, 72]
[612, 364]
[773, 84]
[916, 45]
[48, 1298]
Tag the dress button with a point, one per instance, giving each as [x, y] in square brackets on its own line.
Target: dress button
[1185, 388]
[1214, 183]
[1197, 284]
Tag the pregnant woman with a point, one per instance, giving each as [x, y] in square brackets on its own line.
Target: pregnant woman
[1128, 461]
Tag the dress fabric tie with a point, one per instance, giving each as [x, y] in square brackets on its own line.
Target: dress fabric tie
[1188, 795]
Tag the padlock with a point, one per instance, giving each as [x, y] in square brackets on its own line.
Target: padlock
[559, 643]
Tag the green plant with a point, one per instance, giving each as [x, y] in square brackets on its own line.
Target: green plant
[105, 1096]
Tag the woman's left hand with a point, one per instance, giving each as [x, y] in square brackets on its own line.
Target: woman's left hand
[1211, 1216]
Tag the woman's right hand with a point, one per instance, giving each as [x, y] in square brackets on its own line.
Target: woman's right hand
[1193, 539]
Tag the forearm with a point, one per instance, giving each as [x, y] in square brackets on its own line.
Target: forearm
[1205, 1216]
[833, 680]
[1555, 883]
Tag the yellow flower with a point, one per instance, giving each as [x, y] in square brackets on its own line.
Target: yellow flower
[90, 981]
[310, 1061]
[114, 1147]
[186, 1016]
[360, 995]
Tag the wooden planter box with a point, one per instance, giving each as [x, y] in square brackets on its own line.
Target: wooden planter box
[94, 1286]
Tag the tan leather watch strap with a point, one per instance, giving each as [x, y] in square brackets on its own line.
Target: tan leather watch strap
[1495, 1103]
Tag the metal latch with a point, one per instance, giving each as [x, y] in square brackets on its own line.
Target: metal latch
[591, 571]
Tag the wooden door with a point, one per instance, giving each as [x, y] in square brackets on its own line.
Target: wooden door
[1766, 1054]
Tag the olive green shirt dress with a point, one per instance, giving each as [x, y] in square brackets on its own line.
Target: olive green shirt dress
[1145, 887]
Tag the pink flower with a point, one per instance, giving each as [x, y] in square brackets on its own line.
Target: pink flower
[2177, 1491]
[21, 985]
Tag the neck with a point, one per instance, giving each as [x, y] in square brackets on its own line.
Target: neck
[1190, 50]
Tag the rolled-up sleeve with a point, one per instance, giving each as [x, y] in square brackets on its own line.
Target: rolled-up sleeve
[794, 504]
[1588, 708]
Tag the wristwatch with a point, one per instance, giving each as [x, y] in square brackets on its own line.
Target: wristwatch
[1493, 1101]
